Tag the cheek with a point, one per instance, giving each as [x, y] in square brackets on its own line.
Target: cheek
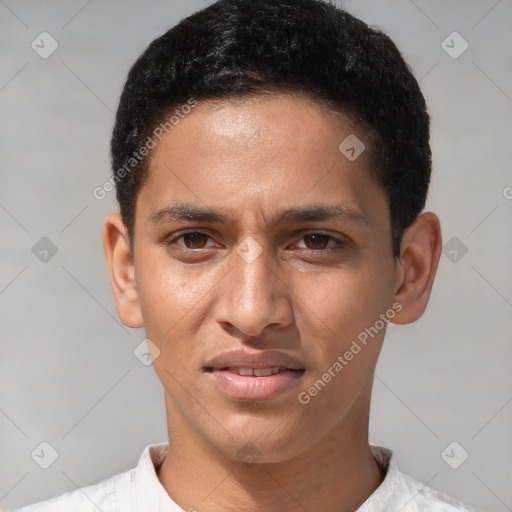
[341, 304]
[338, 313]
[164, 282]
[171, 298]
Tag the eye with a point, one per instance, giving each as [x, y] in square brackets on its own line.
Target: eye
[318, 242]
[191, 240]
[314, 242]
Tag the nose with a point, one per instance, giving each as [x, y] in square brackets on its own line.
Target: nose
[253, 297]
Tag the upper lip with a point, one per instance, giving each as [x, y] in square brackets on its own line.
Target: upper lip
[262, 359]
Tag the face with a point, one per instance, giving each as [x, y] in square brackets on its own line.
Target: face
[264, 276]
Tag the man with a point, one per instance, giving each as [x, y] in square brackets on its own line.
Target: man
[272, 161]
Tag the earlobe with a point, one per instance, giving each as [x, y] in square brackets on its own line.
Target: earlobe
[116, 244]
[419, 257]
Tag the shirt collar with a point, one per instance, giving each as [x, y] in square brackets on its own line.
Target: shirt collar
[386, 492]
[150, 494]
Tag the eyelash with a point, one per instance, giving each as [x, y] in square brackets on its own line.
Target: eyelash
[339, 244]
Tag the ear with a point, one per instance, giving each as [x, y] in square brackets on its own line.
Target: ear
[419, 257]
[116, 243]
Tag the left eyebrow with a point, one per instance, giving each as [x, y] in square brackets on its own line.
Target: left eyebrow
[194, 213]
[318, 212]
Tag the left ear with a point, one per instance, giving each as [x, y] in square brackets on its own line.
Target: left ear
[419, 257]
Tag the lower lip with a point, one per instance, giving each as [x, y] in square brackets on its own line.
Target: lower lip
[242, 387]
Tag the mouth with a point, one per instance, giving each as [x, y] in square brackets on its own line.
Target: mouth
[254, 375]
[254, 384]
[255, 372]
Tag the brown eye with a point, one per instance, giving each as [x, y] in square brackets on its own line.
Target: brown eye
[319, 244]
[316, 241]
[194, 240]
[189, 240]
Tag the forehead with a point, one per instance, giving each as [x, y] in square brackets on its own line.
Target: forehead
[259, 151]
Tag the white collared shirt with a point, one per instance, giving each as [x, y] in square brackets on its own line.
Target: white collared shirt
[139, 490]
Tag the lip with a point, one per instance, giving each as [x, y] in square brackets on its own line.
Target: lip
[261, 359]
[251, 387]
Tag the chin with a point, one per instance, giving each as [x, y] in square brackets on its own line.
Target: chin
[253, 446]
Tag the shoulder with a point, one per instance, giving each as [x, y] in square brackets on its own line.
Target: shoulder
[104, 496]
[399, 491]
[425, 499]
[120, 493]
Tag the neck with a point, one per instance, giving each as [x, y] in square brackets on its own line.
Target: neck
[336, 475]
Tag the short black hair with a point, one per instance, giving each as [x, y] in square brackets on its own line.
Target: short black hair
[236, 48]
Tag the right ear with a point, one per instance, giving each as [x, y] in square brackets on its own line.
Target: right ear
[116, 243]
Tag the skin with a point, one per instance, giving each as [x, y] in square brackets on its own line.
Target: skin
[196, 298]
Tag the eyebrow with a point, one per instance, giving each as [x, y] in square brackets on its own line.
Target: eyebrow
[314, 212]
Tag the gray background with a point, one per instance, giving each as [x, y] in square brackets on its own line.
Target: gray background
[67, 369]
